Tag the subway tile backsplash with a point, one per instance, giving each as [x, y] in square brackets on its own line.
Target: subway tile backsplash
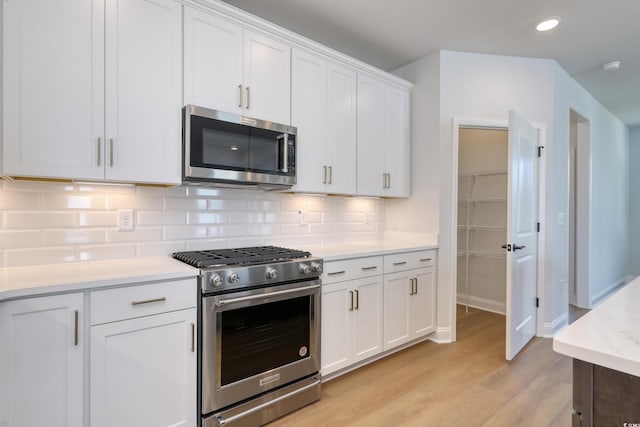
[48, 222]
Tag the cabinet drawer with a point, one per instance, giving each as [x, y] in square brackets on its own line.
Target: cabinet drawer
[409, 260]
[111, 305]
[339, 271]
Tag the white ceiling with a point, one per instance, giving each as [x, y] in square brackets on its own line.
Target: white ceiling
[389, 34]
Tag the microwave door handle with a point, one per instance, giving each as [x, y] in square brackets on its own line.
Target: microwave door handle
[283, 148]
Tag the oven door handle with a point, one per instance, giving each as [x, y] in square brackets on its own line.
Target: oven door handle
[222, 302]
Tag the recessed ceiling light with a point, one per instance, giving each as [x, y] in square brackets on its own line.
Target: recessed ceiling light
[548, 24]
[611, 66]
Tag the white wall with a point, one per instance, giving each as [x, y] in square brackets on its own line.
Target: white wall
[634, 203]
[478, 86]
[44, 223]
[608, 223]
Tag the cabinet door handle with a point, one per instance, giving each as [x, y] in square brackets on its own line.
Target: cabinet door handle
[357, 299]
[111, 152]
[400, 263]
[75, 327]
[373, 267]
[330, 175]
[425, 259]
[99, 151]
[239, 96]
[324, 174]
[351, 301]
[411, 284]
[384, 180]
[148, 301]
[193, 338]
[332, 273]
[415, 281]
[388, 180]
[248, 97]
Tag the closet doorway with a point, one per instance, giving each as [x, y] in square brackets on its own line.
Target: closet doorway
[497, 231]
[482, 218]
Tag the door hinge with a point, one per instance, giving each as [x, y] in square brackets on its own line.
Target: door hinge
[538, 227]
[540, 147]
[537, 302]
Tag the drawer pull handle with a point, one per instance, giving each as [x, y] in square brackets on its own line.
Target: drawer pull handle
[425, 259]
[332, 273]
[400, 263]
[148, 301]
[373, 267]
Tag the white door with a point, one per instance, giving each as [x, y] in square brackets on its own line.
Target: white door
[397, 293]
[522, 234]
[143, 371]
[371, 136]
[422, 321]
[397, 142]
[212, 62]
[308, 85]
[336, 327]
[42, 361]
[143, 91]
[341, 129]
[267, 78]
[53, 88]
[367, 317]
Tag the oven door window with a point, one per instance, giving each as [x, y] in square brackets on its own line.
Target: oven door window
[262, 337]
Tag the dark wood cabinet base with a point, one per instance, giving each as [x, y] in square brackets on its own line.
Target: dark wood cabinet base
[603, 397]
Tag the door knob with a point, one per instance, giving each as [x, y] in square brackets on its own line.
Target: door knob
[517, 247]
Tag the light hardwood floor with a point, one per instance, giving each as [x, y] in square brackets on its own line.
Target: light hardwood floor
[467, 383]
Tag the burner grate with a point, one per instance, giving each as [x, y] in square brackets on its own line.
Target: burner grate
[239, 256]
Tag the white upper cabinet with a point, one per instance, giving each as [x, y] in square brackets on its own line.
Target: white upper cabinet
[229, 68]
[324, 111]
[53, 88]
[143, 91]
[59, 89]
[212, 62]
[383, 139]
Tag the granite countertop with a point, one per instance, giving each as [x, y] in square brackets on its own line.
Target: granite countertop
[19, 282]
[609, 335]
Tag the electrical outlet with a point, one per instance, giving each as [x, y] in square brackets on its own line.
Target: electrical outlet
[125, 219]
[302, 220]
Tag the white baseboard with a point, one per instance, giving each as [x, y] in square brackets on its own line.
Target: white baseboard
[442, 336]
[550, 329]
[483, 304]
[603, 294]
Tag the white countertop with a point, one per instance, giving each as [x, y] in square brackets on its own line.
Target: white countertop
[337, 251]
[21, 282]
[609, 335]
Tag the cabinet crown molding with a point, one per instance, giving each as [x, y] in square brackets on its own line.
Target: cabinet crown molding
[256, 23]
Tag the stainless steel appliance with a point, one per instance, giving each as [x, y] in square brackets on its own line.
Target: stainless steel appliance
[259, 333]
[232, 150]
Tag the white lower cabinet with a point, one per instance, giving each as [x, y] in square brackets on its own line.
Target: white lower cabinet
[42, 361]
[351, 312]
[143, 360]
[351, 322]
[409, 305]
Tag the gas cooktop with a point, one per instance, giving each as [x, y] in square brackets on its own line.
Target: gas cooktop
[240, 256]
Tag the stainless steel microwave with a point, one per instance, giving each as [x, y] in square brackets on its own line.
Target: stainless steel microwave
[232, 150]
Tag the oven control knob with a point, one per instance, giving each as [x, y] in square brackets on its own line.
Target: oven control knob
[272, 273]
[233, 278]
[305, 268]
[215, 280]
[316, 267]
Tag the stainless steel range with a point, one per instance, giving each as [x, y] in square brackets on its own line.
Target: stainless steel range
[259, 333]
